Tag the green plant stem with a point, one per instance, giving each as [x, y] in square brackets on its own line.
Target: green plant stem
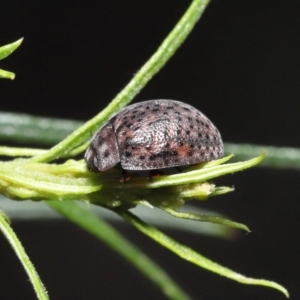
[142, 77]
[17, 152]
[190, 255]
[9, 49]
[204, 174]
[25, 128]
[6, 51]
[7, 74]
[24, 259]
[103, 231]
[206, 218]
[276, 157]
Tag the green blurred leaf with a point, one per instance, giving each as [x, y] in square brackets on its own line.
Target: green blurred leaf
[9, 48]
[7, 74]
[6, 51]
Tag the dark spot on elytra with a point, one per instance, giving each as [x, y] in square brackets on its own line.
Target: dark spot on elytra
[180, 144]
[191, 126]
[187, 109]
[133, 117]
[155, 110]
[189, 119]
[127, 154]
[192, 145]
[106, 153]
[188, 132]
[100, 142]
[170, 107]
[129, 125]
[207, 136]
[142, 157]
[147, 107]
[140, 120]
[179, 119]
[190, 153]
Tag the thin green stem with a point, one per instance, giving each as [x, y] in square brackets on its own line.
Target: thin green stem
[9, 49]
[206, 218]
[142, 77]
[6, 51]
[104, 232]
[7, 74]
[16, 152]
[190, 255]
[24, 259]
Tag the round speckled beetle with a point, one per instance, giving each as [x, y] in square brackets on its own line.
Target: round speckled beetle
[154, 134]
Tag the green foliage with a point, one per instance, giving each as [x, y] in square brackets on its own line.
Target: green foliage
[37, 179]
[6, 51]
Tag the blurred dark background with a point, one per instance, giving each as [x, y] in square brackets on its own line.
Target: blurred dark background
[240, 66]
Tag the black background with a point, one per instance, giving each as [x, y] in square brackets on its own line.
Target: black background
[240, 66]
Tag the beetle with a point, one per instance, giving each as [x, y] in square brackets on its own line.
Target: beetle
[154, 134]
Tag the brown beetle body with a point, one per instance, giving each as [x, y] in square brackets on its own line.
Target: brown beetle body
[154, 134]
